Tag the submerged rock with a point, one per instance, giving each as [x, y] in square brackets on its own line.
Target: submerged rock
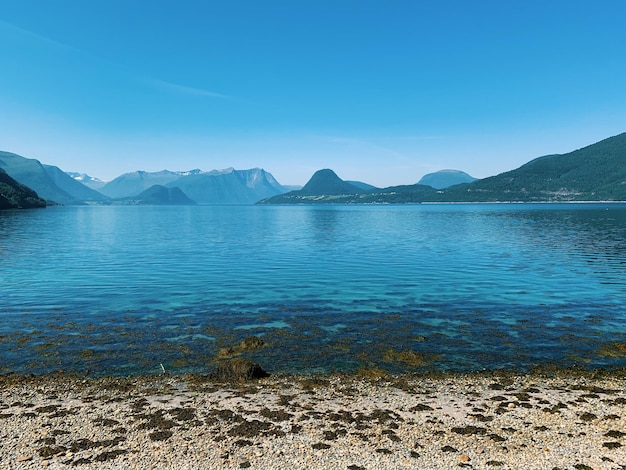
[250, 343]
[228, 351]
[408, 357]
[238, 369]
[613, 349]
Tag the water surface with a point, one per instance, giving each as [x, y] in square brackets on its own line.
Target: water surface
[121, 290]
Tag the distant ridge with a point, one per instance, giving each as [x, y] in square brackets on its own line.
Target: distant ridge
[159, 196]
[443, 179]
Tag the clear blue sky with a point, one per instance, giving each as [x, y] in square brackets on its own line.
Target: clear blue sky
[379, 91]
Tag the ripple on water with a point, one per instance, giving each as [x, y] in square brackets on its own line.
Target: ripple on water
[333, 288]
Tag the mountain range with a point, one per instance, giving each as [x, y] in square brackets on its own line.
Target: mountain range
[593, 173]
[227, 186]
[132, 184]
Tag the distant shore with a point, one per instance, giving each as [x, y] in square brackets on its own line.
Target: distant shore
[561, 419]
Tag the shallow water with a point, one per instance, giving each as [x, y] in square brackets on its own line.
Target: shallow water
[121, 290]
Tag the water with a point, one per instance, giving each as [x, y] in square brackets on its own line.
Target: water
[121, 290]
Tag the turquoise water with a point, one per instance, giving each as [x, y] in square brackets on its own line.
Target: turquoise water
[121, 290]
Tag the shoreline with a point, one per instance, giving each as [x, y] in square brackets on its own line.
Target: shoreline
[557, 418]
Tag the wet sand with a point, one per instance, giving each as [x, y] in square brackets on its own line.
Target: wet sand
[564, 420]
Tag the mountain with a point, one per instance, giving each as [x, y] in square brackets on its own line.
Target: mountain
[593, 173]
[89, 181]
[445, 178]
[327, 182]
[159, 196]
[229, 186]
[323, 184]
[77, 191]
[131, 184]
[48, 181]
[14, 195]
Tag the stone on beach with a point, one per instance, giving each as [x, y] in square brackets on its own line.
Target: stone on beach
[238, 369]
[315, 422]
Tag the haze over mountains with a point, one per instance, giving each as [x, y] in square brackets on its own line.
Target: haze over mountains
[443, 179]
[593, 173]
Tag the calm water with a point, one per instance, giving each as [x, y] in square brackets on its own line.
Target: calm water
[120, 290]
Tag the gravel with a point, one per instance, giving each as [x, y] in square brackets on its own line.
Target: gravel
[557, 421]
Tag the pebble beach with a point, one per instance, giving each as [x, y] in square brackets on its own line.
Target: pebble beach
[500, 421]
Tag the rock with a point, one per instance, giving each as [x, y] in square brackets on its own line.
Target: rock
[238, 369]
[464, 458]
[24, 458]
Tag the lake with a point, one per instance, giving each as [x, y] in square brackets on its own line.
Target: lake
[119, 290]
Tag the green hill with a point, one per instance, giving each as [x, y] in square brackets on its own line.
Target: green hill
[593, 173]
[14, 195]
[324, 186]
[327, 182]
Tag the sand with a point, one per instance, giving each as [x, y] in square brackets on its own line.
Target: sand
[501, 421]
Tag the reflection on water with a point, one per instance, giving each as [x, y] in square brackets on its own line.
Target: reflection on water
[429, 287]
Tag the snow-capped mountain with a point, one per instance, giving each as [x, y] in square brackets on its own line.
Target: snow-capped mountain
[89, 181]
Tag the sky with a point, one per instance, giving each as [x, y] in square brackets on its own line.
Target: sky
[380, 91]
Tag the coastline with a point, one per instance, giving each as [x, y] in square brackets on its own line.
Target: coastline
[545, 419]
